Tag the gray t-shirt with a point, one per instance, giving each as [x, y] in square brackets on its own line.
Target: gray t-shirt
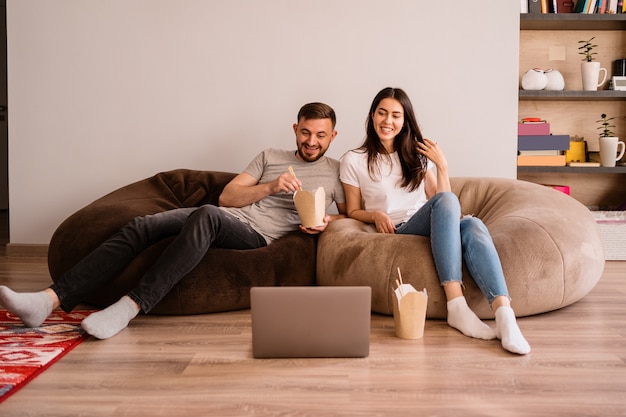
[276, 214]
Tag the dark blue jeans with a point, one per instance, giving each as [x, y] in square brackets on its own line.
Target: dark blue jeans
[196, 230]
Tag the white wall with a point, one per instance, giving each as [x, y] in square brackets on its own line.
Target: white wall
[103, 93]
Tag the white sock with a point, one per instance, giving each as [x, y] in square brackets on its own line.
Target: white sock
[31, 307]
[462, 318]
[509, 332]
[110, 321]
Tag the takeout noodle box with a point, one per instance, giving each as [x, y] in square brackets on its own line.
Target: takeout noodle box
[409, 311]
[311, 206]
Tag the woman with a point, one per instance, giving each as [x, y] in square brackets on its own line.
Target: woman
[389, 182]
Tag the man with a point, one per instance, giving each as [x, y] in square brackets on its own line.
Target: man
[256, 208]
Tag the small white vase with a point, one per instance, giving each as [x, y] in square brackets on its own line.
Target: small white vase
[591, 73]
[556, 82]
[534, 79]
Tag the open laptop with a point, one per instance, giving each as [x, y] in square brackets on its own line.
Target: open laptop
[310, 322]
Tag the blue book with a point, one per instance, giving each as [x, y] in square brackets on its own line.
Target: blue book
[543, 142]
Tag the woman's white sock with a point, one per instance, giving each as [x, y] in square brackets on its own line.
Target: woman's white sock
[462, 318]
[509, 332]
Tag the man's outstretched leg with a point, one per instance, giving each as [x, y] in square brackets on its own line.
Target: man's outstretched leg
[205, 226]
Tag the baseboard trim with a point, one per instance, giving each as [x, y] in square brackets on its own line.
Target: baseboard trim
[19, 250]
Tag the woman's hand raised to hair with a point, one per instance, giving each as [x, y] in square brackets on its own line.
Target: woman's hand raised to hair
[432, 151]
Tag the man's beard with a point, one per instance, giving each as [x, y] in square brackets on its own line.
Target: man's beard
[307, 158]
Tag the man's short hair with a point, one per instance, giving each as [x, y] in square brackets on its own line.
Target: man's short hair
[317, 111]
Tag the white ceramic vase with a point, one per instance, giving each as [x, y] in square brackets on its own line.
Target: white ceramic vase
[591, 73]
[534, 79]
[555, 79]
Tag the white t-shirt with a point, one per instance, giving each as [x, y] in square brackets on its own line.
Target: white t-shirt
[276, 214]
[384, 192]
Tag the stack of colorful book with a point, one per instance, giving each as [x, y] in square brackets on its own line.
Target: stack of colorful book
[536, 146]
[599, 6]
[568, 6]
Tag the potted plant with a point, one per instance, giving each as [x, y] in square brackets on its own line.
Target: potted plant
[586, 49]
[590, 69]
[609, 143]
[605, 125]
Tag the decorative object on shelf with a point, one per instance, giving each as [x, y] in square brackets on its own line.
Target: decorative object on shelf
[618, 81]
[590, 69]
[609, 144]
[540, 79]
[534, 79]
[576, 151]
[619, 67]
[556, 82]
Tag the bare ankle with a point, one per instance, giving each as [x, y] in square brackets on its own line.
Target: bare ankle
[452, 289]
[56, 303]
[500, 301]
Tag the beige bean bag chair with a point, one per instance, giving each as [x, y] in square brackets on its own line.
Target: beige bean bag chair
[548, 243]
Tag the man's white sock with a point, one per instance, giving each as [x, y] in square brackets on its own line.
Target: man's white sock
[31, 307]
[110, 321]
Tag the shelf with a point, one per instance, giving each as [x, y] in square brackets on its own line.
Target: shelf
[572, 21]
[592, 186]
[574, 170]
[575, 95]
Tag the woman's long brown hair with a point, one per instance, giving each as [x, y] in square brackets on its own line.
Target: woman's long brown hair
[412, 162]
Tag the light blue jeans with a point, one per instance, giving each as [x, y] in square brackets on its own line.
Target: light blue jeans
[454, 239]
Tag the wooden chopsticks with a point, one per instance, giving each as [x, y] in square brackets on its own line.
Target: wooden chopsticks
[294, 174]
[399, 283]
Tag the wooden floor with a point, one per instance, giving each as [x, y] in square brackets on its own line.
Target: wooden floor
[202, 366]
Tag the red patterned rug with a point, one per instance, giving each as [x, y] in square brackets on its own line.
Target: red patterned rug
[25, 352]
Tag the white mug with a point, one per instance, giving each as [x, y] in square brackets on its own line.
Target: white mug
[590, 74]
[608, 150]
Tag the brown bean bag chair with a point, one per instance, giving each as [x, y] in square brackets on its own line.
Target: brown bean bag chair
[222, 280]
[549, 246]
